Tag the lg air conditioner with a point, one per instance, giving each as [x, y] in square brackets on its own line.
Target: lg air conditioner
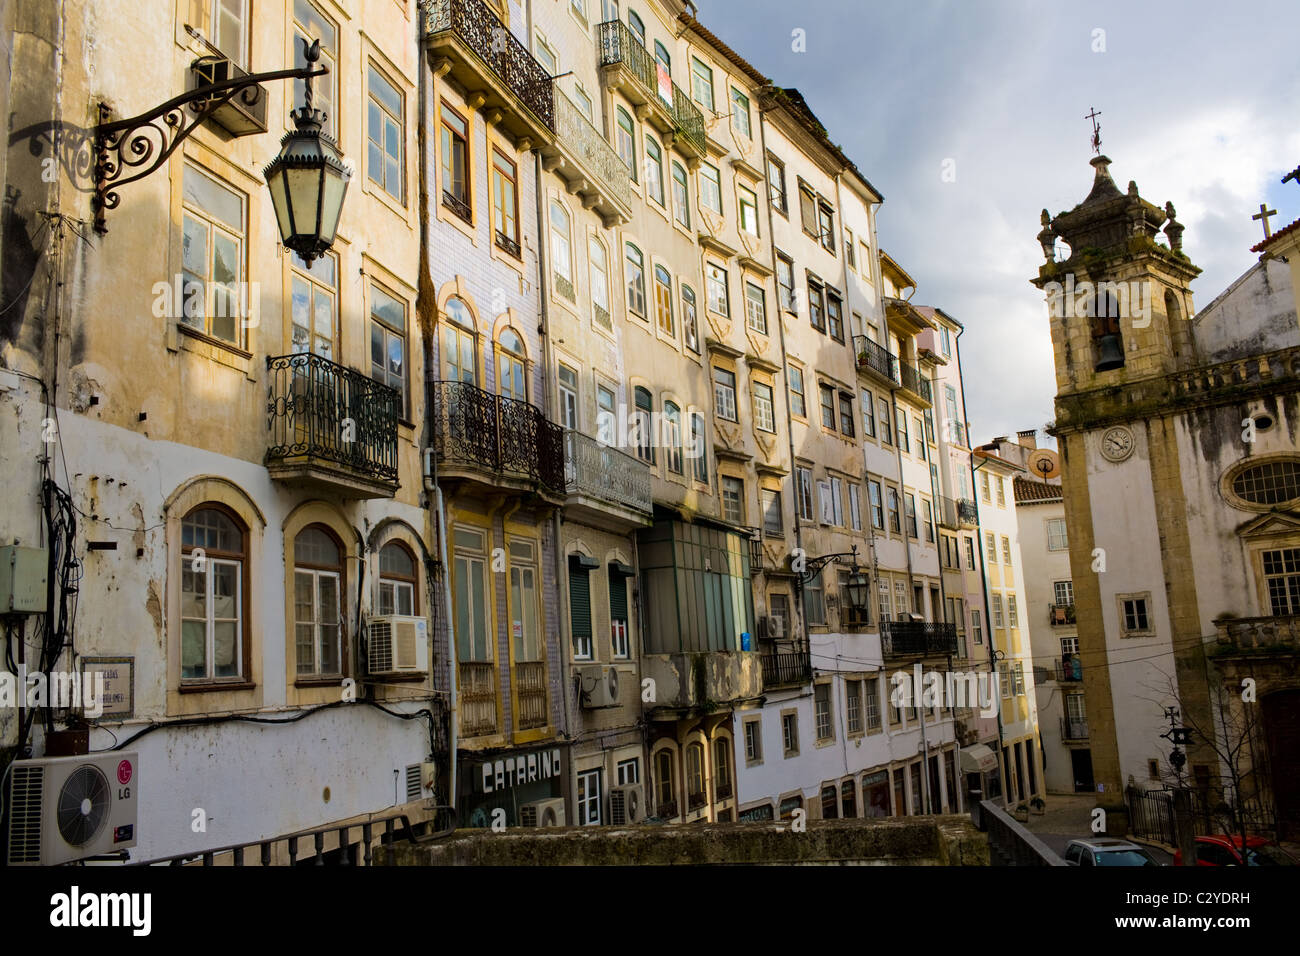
[69, 808]
[398, 645]
[542, 813]
[626, 804]
[599, 686]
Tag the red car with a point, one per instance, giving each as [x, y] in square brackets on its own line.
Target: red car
[1226, 851]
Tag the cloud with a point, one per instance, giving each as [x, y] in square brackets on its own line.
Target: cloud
[1197, 102]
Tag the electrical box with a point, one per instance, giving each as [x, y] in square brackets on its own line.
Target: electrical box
[22, 579]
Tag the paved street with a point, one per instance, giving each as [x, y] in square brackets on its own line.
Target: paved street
[1068, 816]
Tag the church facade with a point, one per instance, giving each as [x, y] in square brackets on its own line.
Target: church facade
[1181, 484]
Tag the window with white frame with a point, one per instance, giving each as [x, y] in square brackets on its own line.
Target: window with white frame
[733, 500]
[798, 406]
[598, 266]
[1062, 592]
[740, 113]
[385, 135]
[654, 171]
[855, 506]
[310, 24]
[803, 488]
[853, 705]
[998, 620]
[748, 202]
[398, 586]
[976, 626]
[681, 195]
[790, 733]
[690, 328]
[753, 741]
[756, 307]
[1057, 538]
[588, 798]
[785, 283]
[470, 608]
[710, 188]
[214, 561]
[318, 616]
[628, 771]
[716, 278]
[724, 394]
[1135, 613]
[1282, 580]
[764, 416]
[213, 236]
[702, 83]
[772, 519]
[1013, 615]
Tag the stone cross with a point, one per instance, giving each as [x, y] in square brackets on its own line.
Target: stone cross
[1096, 129]
[1264, 213]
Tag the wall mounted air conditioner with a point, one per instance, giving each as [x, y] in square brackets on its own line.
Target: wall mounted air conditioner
[626, 804]
[599, 686]
[542, 813]
[772, 627]
[70, 808]
[397, 645]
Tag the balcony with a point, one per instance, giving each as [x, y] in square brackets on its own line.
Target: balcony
[605, 485]
[530, 695]
[917, 639]
[331, 427]
[1258, 635]
[911, 379]
[629, 67]
[1060, 615]
[1074, 728]
[495, 440]
[1069, 669]
[701, 681]
[948, 513]
[477, 690]
[590, 166]
[785, 670]
[242, 114]
[875, 359]
[467, 41]
[968, 515]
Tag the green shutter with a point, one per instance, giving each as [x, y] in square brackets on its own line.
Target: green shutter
[580, 602]
[617, 597]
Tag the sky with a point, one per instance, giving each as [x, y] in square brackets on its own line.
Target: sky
[1199, 105]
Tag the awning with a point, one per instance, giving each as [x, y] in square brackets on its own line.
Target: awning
[978, 759]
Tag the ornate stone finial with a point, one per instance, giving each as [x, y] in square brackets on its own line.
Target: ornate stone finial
[1132, 189]
[1173, 228]
[1047, 236]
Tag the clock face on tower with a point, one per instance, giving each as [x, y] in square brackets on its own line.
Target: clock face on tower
[1117, 443]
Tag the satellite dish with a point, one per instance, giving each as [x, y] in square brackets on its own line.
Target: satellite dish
[1045, 463]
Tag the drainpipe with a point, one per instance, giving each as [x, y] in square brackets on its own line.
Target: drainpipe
[979, 546]
[789, 430]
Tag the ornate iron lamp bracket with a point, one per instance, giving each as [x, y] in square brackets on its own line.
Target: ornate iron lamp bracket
[813, 566]
[131, 149]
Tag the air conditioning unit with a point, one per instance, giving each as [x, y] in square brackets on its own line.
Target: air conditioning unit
[398, 645]
[626, 804]
[772, 627]
[599, 686]
[542, 813]
[69, 808]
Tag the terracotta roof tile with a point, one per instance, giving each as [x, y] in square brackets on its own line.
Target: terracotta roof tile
[1028, 491]
[1261, 246]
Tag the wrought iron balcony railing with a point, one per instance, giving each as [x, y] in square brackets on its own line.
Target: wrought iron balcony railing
[1060, 615]
[530, 695]
[874, 357]
[1074, 728]
[619, 46]
[606, 473]
[911, 379]
[320, 411]
[472, 427]
[477, 690]
[967, 513]
[475, 25]
[783, 670]
[595, 164]
[1069, 670]
[917, 638]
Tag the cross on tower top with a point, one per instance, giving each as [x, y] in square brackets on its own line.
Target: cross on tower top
[1263, 214]
[1096, 129]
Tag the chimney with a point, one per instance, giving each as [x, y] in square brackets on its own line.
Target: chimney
[1028, 438]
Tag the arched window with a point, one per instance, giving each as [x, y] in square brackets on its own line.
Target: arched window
[561, 251]
[681, 195]
[598, 259]
[214, 576]
[636, 26]
[317, 602]
[459, 344]
[625, 140]
[654, 171]
[722, 768]
[664, 301]
[398, 589]
[698, 449]
[1269, 484]
[662, 57]
[665, 784]
[690, 331]
[511, 365]
[635, 264]
[673, 436]
[696, 796]
[1172, 309]
[644, 422]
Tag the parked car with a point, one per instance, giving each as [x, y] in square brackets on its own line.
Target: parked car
[1106, 852]
[1222, 850]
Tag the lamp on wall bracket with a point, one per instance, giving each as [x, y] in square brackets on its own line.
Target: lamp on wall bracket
[857, 587]
[128, 150]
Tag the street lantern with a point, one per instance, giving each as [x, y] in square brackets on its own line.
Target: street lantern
[857, 590]
[308, 180]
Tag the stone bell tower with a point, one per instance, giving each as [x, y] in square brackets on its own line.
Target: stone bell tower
[1120, 301]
